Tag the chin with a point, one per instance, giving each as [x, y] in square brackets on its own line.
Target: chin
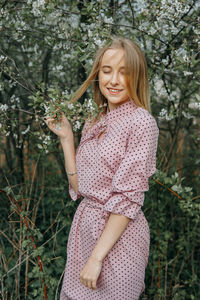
[117, 101]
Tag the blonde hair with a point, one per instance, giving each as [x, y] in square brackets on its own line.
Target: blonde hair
[136, 70]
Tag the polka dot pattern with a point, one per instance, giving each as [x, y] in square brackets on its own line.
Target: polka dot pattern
[115, 158]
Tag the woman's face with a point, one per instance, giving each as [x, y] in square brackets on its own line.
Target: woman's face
[112, 77]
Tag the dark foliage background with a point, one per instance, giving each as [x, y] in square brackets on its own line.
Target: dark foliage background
[46, 51]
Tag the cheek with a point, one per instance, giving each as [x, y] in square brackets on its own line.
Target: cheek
[123, 81]
[126, 85]
[101, 84]
[103, 79]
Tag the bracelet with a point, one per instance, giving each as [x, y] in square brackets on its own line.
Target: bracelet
[71, 173]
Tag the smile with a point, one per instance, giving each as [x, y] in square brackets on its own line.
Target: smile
[114, 91]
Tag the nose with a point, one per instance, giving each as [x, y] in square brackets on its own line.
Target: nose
[114, 79]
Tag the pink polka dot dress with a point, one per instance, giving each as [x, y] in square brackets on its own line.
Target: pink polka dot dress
[113, 172]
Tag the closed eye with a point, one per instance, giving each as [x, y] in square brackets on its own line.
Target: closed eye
[106, 69]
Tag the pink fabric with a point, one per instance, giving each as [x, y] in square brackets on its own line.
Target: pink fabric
[113, 173]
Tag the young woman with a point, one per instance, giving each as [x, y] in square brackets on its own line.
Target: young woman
[108, 245]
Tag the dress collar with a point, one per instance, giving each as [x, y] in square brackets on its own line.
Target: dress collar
[121, 110]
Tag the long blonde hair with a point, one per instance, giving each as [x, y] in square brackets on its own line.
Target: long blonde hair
[136, 70]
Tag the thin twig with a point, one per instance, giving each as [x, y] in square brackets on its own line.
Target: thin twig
[12, 269]
[13, 200]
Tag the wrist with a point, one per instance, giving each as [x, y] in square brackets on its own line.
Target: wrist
[71, 173]
[66, 140]
[96, 258]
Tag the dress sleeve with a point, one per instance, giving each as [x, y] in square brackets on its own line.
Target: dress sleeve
[130, 180]
[74, 196]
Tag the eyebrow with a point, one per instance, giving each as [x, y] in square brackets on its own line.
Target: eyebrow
[105, 66]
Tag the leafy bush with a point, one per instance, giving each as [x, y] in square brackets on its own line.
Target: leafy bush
[46, 52]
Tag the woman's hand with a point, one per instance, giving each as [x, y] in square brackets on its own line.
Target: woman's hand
[90, 273]
[62, 129]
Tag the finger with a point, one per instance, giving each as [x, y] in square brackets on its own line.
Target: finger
[93, 285]
[82, 281]
[85, 283]
[64, 118]
[89, 284]
[49, 121]
[49, 117]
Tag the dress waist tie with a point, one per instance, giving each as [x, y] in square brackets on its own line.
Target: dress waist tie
[99, 223]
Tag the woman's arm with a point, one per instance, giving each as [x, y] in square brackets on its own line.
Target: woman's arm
[114, 228]
[64, 131]
[70, 161]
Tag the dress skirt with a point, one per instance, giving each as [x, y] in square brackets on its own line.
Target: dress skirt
[123, 269]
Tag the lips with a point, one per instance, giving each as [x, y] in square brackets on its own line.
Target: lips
[114, 91]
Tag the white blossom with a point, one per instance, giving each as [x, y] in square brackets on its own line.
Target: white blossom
[37, 6]
[70, 105]
[174, 95]
[165, 61]
[57, 68]
[4, 107]
[3, 58]
[108, 20]
[177, 188]
[163, 112]
[164, 115]
[152, 31]
[181, 52]
[90, 33]
[98, 42]
[187, 73]
[46, 139]
[26, 130]
[187, 115]
[159, 88]
[89, 103]
[77, 125]
[13, 98]
[195, 105]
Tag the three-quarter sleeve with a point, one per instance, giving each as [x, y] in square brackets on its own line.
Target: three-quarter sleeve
[130, 180]
[73, 194]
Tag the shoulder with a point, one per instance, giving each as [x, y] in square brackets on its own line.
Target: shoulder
[144, 126]
[140, 124]
[139, 119]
